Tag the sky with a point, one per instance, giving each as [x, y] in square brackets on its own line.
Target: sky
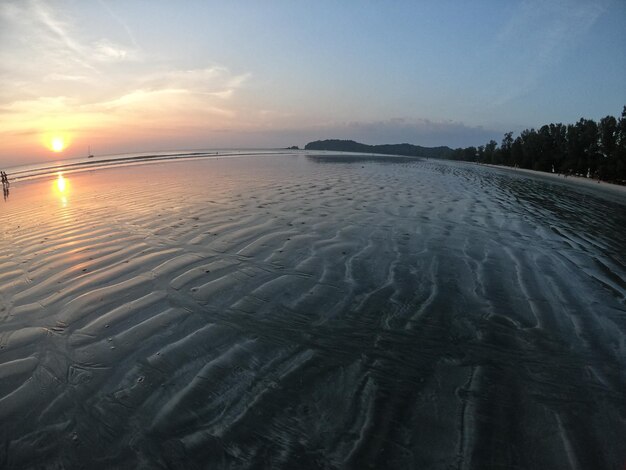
[128, 76]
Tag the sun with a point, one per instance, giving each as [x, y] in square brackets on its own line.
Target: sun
[56, 141]
[57, 144]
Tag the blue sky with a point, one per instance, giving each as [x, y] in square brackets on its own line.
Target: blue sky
[148, 75]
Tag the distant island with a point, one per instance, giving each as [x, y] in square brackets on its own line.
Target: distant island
[386, 149]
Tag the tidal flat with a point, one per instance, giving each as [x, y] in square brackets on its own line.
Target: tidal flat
[311, 311]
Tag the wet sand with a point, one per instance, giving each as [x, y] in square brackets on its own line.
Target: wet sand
[306, 312]
[603, 189]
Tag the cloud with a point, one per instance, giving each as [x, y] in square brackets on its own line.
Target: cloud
[105, 50]
[119, 21]
[538, 35]
[188, 102]
[165, 101]
[39, 33]
[56, 74]
[53, 26]
[64, 77]
[40, 37]
[215, 80]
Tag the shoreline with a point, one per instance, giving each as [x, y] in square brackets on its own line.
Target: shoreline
[613, 191]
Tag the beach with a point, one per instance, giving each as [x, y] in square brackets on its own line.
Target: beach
[311, 311]
[615, 192]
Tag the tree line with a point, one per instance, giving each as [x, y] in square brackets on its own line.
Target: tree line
[595, 150]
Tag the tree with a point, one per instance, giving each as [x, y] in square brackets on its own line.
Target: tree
[530, 148]
[559, 145]
[505, 148]
[517, 152]
[608, 133]
[589, 143]
[490, 152]
[469, 154]
[584, 148]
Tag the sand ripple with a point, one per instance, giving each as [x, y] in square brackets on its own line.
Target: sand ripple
[312, 312]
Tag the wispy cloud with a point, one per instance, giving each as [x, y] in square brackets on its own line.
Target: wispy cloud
[64, 77]
[537, 36]
[106, 50]
[110, 82]
[42, 38]
[213, 80]
[121, 22]
[40, 31]
[55, 28]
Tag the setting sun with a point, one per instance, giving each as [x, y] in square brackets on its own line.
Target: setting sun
[57, 144]
[56, 140]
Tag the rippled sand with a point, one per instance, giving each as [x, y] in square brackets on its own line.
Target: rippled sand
[311, 312]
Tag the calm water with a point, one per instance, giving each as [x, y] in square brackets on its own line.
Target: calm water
[44, 169]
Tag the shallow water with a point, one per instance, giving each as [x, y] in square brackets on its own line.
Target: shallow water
[306, 312]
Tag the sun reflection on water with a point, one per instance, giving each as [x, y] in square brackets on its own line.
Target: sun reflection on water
[61, 188]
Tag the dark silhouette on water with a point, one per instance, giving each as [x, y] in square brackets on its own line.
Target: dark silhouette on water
[5, 185]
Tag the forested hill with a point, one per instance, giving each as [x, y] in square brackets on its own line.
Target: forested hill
[388, 149]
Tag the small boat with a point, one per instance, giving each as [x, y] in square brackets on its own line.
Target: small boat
[89, 154]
